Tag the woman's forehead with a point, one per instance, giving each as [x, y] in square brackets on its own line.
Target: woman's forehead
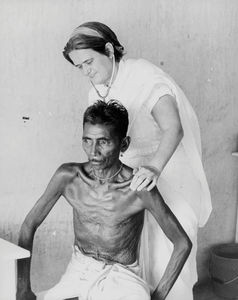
[79, 56]
[86, 31]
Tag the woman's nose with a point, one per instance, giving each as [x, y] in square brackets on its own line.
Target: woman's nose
[86, 70]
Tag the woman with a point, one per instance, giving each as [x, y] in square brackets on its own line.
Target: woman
[165, 145]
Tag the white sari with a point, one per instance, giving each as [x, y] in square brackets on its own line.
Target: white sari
[183, 185]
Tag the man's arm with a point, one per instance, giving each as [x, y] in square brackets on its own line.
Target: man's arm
[32, 221]
[174, 231]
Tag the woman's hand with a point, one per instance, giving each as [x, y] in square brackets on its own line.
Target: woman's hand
[145, 177]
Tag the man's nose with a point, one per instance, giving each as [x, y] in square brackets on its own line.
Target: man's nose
[94, 150]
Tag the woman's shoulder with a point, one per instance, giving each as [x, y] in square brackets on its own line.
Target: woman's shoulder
[142, 66]
[139, 62]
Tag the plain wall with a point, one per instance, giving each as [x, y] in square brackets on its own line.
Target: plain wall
[43, 98]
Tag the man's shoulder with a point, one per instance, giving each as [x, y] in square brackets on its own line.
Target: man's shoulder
[70, 169]
[127, 172]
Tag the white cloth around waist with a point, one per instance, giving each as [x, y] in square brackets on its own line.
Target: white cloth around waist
[91, 279]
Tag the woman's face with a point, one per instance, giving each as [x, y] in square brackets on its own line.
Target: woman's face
[96, 66]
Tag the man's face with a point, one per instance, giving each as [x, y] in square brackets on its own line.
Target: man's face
[101, 145]
[94, 65]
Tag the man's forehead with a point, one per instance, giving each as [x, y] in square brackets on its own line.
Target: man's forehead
[98, 130]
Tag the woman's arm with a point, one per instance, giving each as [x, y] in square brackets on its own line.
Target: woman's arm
[165, 112]
[166, 115]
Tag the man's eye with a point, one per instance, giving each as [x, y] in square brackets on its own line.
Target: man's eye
[87, 141]
[103, 142]
[89, 62]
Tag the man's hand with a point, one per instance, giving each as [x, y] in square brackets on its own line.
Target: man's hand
[25, 295]
[158, 296]
[145, 177]
[154, 297]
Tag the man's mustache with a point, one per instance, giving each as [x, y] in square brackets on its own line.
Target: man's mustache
[95, 160]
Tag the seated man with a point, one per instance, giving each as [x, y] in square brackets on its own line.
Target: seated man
[108, 219]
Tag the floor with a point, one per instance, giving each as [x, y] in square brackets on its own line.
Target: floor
[205, 292]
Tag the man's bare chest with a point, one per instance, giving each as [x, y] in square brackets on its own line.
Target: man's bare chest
[103, 201]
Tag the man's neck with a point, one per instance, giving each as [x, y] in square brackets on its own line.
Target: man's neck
[108, 174]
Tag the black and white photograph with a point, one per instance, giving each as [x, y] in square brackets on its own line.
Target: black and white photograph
[119, 150]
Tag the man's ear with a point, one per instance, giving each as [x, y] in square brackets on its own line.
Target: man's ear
[109, 49]
[125, 143]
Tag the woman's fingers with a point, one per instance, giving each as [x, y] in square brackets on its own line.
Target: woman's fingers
[136, 182]
[138, 172]
[144, 178]
[152, 185]
[143, 184]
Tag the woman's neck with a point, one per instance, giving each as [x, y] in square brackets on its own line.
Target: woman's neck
[113, 76]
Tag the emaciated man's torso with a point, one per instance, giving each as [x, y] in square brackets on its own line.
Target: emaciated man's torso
[108, 217]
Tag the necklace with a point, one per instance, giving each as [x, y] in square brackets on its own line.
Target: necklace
[110, 82]
[108, 178]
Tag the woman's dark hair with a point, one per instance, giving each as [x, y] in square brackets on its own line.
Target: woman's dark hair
[95, 42]
[112, 113]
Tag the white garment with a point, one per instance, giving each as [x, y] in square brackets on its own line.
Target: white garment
[90, 279]
[183, 185]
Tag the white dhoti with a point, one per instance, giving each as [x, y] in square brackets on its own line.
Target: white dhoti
[90, 279]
